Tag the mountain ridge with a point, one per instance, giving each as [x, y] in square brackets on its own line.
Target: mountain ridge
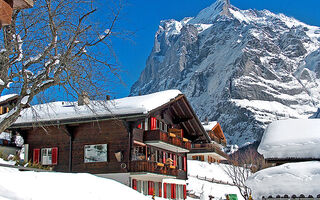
[243, 68]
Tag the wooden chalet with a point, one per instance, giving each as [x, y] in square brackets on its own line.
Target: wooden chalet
[209, 151]
[140, 141]
[7, 7]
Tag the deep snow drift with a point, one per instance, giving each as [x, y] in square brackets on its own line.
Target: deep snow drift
[295, 138]
[288, 179]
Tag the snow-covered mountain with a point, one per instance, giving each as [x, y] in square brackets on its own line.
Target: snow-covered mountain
[243, 68]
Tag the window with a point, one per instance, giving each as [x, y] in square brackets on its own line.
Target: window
[139, 153]
[165, 128]
[146, 124]
[95, 153]
[49, 156]
[161, 125]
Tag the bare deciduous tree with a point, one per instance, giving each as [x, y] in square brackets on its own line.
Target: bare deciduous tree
[60, 44]
[243, 164]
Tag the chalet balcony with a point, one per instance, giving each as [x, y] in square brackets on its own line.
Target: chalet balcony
[169, 141]
[207, 148]
[144, 166]
[219, 141]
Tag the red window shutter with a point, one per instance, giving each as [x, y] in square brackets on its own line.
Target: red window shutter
[149, 187]
[54, 155]
[160, 189]
[184, 191]
[134, 184]
[185, 163]
[173, 187]
[36, 155]
[164, 157]
[164, 190]
[153, 123]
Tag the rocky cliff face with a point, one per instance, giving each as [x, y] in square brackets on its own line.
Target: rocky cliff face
[243, 68]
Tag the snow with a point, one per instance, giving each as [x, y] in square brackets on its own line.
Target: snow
[288, 179]
[70, 110]
[25, 99]
[240, 16]
[209, 126]
[204, 188]
[6, 97]
[202, 27]
[17, 185]
[293, 138]
[5, 136]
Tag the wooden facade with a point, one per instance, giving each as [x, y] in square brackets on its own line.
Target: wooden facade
[152, 145]
[210, 151]
[7, 7]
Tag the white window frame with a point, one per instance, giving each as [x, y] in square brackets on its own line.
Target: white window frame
[161, 125]
[46, 156]
[165, 127]
[146, 127]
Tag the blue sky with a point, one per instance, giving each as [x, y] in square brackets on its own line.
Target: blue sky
[143, 16]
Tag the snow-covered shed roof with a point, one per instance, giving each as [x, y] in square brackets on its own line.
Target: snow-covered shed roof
[292, 138]
[7, 97]
[208, 126]
[302, 178]
[70, 110]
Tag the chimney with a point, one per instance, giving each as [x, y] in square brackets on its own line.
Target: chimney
[206, 120]
[83, 99]
[108, 97]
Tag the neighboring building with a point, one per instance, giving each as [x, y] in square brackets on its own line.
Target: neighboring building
[7, 102]
[7, 7]
[7, 140]
[140, 141]
[209, 151]
[294, 146]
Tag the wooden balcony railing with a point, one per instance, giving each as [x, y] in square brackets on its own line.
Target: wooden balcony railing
[207, 147]
[170, 138]
[157, 168]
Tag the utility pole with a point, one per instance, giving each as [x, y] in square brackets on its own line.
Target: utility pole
[7, 7]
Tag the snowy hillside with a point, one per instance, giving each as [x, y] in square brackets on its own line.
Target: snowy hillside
[243, 68]
[16, 185]
[202, 188]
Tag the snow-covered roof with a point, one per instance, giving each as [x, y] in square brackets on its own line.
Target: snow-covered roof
[288, 179]
[6, 97]
[71, 110]
[293, 138]
[208, 126]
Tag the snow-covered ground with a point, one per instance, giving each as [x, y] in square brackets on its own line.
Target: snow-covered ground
[203, 188]
[16, 185]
